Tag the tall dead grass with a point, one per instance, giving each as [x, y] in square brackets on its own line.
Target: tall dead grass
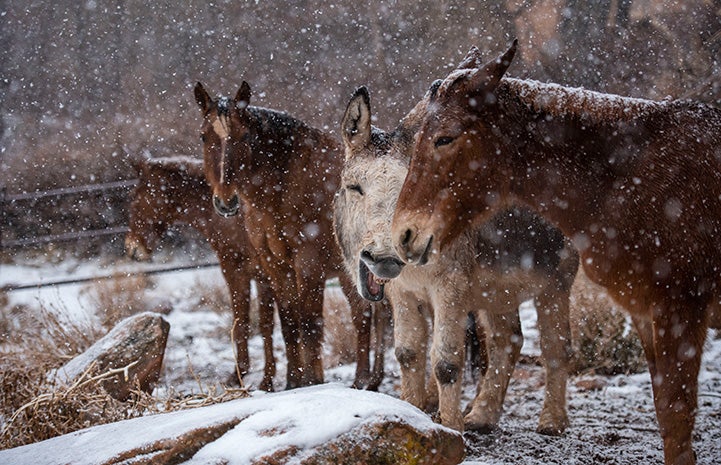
[118, 298]
[34, 406]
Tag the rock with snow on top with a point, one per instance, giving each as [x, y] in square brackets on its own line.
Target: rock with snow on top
[138, 341]
[326, 424]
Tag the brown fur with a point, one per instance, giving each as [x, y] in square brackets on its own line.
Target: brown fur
[640, 196]
[174, 190]
[286, 174]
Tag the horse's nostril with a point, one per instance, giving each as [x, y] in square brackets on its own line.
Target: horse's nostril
[406, 238]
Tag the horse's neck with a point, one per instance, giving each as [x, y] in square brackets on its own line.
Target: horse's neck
[564, 160]
[287, 153]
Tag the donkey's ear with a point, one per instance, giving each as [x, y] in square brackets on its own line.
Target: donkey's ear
[202, 97]
[356, 124]
[473, 59]
[242, 98]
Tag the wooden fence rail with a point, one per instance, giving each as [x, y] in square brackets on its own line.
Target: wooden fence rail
[8, 200]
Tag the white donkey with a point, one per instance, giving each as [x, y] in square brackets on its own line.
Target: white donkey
[489, 272]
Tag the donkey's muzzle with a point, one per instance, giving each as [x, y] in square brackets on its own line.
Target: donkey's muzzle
[386, 267]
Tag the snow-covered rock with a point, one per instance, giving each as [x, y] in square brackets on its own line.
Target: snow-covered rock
[326, 424]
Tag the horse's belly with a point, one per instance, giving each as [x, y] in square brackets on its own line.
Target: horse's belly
[502, 292]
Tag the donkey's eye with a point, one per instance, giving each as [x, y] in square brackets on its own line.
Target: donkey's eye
[443, 141]
[355, 188]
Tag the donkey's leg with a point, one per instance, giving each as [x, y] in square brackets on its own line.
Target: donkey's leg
[675, 341]
[266, 307]
[552, 307]
[504, 340]
[361, 315]
[447, 362]
[382, 312]
[239, 287]
[411, 338]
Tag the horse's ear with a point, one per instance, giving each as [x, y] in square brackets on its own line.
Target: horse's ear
[242, 98]
[490, 75]
[473, 59]
[477, 86]
[202, 97]
[356, 124]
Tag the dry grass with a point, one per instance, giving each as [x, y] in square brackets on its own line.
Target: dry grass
[604, 340]
[118, 298]
[35, 407]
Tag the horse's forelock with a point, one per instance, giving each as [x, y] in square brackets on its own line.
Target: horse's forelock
[223, 105]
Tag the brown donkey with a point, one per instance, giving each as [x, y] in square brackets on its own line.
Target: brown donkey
[173, 190]
[286, 174]
[489, 272]
[634, 183]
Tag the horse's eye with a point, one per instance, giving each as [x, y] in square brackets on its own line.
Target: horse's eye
[443, 141]
[356, 188]
[202, 137]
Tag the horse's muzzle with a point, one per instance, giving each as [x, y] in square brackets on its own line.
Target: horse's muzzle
[226, 209]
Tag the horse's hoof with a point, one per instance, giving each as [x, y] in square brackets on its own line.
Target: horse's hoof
[481, 428]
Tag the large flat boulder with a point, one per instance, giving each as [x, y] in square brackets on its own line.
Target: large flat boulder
[327, 424]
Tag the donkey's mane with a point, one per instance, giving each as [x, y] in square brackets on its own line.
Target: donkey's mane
[560, 101]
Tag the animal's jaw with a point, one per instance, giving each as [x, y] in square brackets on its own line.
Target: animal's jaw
[135, 250]
[370, 286]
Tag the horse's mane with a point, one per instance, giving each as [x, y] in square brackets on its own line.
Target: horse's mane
[560, 101]
[192, 167]
[273, 120]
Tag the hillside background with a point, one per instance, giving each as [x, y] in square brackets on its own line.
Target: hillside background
[86, 85]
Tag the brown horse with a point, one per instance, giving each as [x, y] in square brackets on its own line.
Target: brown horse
[635, 184]
[286, 174]
[491, 270]
[173, 190]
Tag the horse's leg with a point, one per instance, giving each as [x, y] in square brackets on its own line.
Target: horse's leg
[673, 345]
[552, 307]
[381, 318]
[410, 329]
[448, 355]
[239, 287]
[503, 343]
[290, 328]
[311, 330]
[361, 315]
[266, 307]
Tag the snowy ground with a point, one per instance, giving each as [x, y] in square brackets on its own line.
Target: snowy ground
[614, 424]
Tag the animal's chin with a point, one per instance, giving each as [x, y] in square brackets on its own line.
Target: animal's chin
[370, 286]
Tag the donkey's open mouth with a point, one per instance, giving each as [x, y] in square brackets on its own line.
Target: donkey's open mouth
[371, 286]
[375, 272]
